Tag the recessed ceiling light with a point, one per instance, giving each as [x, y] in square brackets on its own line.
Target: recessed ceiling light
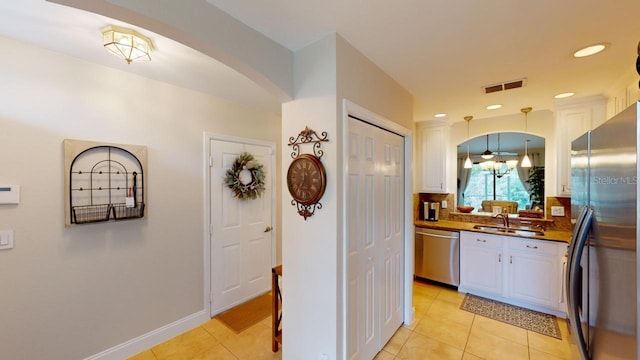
[440, 115]
[564, 95]
[589, 50]
[494, 106]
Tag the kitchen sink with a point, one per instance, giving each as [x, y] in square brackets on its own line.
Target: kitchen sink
[509, 230]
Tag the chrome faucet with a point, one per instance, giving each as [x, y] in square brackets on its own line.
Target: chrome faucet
[505, 218]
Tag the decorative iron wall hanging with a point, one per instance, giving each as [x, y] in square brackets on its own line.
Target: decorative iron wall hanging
[103, 182]
[306, 177]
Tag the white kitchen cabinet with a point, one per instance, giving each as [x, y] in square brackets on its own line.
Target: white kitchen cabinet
[533, 272]
[572, 120]
[481, 255]
[432, 144]
[520, 271]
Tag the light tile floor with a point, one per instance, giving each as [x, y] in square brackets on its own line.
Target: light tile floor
[440, 331]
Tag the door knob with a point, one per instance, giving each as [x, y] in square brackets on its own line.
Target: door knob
[269, 228]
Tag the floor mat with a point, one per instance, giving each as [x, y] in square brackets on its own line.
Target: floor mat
[527, 319]
[248, 314]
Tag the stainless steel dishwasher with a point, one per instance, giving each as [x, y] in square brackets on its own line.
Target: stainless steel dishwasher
[437, 255]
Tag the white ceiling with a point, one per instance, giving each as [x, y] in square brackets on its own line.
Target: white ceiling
[442, 51]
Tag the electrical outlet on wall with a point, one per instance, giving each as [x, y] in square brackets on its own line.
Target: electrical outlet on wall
[443, 204]
[557, 211]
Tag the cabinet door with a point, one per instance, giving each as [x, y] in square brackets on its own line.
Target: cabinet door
[571, 122]
[533, 272]
[481, 266]
[432, 157]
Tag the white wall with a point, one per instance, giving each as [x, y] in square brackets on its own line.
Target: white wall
[309, 248]
[68, 293]
[324, 73]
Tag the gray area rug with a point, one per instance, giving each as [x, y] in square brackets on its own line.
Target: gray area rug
[542, 323]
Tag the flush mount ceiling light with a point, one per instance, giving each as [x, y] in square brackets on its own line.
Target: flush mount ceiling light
[440, 115]
[589, 50]
[127, 44]
[494, 107]
[564, 95]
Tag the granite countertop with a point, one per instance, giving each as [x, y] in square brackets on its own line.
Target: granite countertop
[550, 235]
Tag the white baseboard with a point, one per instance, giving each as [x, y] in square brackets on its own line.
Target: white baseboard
[152, 338]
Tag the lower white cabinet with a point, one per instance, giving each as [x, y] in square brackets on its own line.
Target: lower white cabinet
[481, 262]
[524, 272]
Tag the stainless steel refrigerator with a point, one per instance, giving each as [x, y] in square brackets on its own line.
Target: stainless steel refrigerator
[602, 276]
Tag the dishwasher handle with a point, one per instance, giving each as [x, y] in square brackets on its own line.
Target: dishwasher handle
[437, 236]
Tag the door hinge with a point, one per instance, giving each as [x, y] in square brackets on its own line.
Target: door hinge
[210, 229]
[211, 298]
[210, 161]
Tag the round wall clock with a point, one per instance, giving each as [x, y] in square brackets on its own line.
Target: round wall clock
[306, 179]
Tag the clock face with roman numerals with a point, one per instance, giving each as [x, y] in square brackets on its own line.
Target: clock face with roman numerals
[306, 179]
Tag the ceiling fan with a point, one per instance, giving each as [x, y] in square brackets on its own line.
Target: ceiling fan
[488, 154]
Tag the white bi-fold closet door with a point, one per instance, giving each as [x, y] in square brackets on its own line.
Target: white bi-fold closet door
[375, 237]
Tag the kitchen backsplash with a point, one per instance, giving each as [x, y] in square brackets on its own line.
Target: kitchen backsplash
[451, 213]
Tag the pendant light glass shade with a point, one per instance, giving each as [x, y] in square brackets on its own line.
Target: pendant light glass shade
[526, 162]
[467, 163]
[127, 44]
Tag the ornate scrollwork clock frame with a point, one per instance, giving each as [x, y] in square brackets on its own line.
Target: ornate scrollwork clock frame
[306, 177]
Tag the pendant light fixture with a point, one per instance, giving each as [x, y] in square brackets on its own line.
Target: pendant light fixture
[467, 163]
[127, 44]
[526, 162]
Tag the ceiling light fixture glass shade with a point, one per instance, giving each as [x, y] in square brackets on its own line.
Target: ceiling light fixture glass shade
[127, 44]
[526, 162]
[467, 163]
[564, 95]
[589, 50]
[494, 106]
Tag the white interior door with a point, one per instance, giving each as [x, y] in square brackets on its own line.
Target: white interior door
[241, 240]
[375, 237]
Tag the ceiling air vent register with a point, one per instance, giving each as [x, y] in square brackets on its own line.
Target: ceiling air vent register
[513, 84]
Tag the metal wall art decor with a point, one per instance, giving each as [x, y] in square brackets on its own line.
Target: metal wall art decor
[103, 182]
[306, 177]
[245, 178]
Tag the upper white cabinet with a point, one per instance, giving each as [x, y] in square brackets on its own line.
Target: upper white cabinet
[432, 142]
[572, 120]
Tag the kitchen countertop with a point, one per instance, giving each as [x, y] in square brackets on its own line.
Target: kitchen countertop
[550, 235]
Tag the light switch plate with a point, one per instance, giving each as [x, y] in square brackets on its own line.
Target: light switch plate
[6, 239]
[443, 204]
[557, 211]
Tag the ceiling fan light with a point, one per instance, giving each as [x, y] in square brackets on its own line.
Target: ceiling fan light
[487, 155]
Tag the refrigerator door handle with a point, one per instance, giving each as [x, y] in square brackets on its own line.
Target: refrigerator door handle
[579, 240]
[574, 238]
